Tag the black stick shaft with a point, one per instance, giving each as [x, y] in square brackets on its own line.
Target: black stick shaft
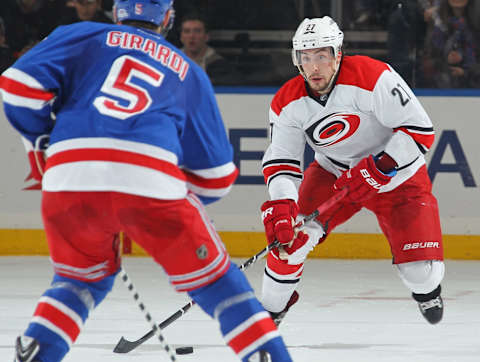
[125, 346]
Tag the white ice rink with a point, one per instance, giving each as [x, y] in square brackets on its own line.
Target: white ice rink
[355, 311]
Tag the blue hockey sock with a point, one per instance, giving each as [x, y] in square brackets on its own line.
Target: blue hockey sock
[61, 312]
[244, 323]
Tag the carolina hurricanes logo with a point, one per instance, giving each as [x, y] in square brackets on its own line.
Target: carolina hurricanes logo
[138, 9]
[333, 128]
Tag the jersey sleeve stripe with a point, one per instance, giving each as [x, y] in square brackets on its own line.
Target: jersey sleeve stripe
[214, 172]
[422, 136]
[281, 161]
[22, 77]
[417, 129]
[212, 183]
[211, 193]
[271, 170]
[14, 89]
[274, 168]
[211, 187]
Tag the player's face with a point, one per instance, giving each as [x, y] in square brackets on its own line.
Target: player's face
[193, 37]
[319, 66]
[458, 3]
[86, 9]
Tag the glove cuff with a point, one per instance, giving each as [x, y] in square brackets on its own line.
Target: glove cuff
[378, 173]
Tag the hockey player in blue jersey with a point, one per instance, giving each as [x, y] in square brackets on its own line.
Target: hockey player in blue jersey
[124, 133]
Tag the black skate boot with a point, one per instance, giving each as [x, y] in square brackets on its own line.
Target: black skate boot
[277, 318]
[430, 305]
[26, 348]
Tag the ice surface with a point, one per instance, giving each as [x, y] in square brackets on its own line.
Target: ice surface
[348, 311]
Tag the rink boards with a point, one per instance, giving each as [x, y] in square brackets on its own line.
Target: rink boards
[454, 166]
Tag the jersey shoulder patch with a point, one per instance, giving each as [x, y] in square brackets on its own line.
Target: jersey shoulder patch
[290, 91]
[361, 71]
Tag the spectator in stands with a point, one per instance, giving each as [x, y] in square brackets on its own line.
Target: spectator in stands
[430, 11]
[476, 15]
[451, 57]
[6, 55]
[406, 30]
[86, 10]
[362, 15]
[107, 7]
[194, 38]
[29, 21]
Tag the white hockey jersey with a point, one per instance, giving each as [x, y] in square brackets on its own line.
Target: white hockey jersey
[370, 110]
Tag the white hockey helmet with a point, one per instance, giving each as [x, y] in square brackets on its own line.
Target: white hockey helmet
[316, 33]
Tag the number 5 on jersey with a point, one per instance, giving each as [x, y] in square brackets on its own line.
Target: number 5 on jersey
[118, 84]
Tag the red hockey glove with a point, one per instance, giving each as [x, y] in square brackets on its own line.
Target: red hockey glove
[363, 181]
[38, 162]
[37, 159]
[279, 219]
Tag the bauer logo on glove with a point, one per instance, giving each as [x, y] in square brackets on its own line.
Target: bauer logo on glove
[364, 180]
[279, 218]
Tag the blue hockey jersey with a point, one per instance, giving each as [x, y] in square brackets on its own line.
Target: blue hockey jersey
[125, 111]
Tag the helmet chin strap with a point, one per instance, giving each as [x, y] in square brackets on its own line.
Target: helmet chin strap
[330, 84]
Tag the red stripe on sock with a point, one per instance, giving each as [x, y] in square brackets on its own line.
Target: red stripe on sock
[59, 319]
[252, 334]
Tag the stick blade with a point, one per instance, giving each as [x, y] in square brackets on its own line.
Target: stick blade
[124, 346]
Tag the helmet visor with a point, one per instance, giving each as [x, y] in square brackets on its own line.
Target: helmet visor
[320, 56]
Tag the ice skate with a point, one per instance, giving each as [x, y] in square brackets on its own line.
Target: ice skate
[263, 356]
[430, 305]
[278, 317]
[260, 356]
[26, 348]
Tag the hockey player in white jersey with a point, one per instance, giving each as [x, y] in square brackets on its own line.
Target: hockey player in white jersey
[369, 134]
[136, 144]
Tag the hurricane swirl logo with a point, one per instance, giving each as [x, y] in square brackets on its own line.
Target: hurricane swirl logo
[333, 129]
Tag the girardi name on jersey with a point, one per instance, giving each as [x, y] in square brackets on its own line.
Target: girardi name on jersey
[159, 52]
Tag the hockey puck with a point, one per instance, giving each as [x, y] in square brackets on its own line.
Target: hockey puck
[184, 350]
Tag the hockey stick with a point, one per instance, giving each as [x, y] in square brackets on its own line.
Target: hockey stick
[147, 315]
[125, 346]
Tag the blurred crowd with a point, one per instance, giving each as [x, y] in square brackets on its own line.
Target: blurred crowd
[25, 22]
[431, 43]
